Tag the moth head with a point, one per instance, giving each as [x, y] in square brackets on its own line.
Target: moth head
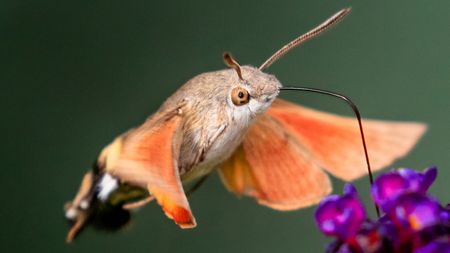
[250, 89]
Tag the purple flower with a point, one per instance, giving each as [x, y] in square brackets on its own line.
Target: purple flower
[434, 247]
[341, 216]
[390, 185]
[414, 211]
[413, 221]
[445, 214]
[370, 238]
[339, 247]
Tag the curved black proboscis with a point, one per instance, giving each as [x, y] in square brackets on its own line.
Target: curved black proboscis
[358, 117]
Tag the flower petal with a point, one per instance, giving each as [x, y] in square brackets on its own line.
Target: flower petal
[414, 211]
[434, 247]
[390, 185]
[387, 187]
[341, 216]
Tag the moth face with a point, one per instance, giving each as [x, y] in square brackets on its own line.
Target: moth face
[255, 93]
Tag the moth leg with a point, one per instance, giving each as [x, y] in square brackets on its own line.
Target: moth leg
[143, 202]
[75, 210]
[197, 185]
[77, 226]
[72, 208]
[84, 189]
[139, 203]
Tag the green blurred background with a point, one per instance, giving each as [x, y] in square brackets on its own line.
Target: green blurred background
[74, 74]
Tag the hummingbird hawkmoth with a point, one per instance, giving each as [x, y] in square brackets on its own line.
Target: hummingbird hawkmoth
[232, 121]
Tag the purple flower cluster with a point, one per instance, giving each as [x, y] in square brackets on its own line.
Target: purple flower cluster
[412, 220]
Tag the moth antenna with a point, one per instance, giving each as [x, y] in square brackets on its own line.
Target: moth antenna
[358, 117]
[230, 62]
[305, 37]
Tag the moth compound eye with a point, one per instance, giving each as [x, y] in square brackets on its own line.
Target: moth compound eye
[240, 96]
